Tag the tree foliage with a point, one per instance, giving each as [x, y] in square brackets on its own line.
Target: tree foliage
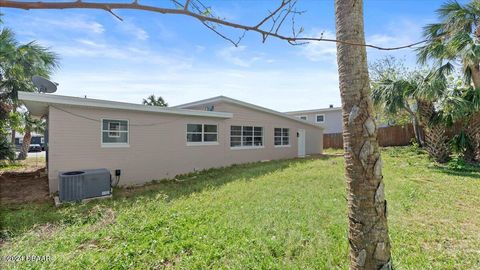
[154, 101]
[18, 63]
[456, 39]
[426, 95]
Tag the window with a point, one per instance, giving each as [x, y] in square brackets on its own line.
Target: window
[202, 134]
[320, 118]
[114, 129]
[114, 132]
[246, 136]
[303, 117]
[282, 137]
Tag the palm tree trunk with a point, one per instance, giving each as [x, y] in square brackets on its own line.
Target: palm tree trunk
[472, 153]
[416, 125]
[368, 230]
[417, 131]
[476, 75]
[436, 140]
[14, 109]
[13, 136]
[27, 138]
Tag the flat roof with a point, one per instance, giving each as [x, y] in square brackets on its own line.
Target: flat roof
[244, 104]
[37, 104]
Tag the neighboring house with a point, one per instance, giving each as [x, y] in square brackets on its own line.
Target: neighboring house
[328, 118]
[148, 143]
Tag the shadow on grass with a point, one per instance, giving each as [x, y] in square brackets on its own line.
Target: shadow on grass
[466, 172]
[458, 167]
[17, 219]
[187, 184]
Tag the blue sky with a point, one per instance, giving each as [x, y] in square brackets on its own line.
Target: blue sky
[178, 58]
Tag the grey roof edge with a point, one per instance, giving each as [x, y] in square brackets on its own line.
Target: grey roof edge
[248, 105]
[98, 103]
[315, 110]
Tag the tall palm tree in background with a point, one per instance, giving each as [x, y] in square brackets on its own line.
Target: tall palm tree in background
[421, 95]
[456, 38]
[430, 93]
[459, 107]
[154, 101]
[394, 94]
[18, 63]
[368, 230]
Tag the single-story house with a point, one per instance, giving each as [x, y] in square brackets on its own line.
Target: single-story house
[328, 118]
[148, 143]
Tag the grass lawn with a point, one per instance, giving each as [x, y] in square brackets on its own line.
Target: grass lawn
[30, 163]
[274, 215]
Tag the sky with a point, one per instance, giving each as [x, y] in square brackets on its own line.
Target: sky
[176, 57]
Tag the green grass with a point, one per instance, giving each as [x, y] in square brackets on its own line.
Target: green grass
[274, 215]
[29, 163]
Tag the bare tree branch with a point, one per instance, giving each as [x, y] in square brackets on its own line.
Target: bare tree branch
[272, 14]
[185, 7]
[203, 17]
[285, 16]
[111, 12]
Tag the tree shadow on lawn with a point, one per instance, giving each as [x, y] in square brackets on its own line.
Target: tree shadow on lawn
[17, 219]
[458, 167]
[470, 173]
[184, 185]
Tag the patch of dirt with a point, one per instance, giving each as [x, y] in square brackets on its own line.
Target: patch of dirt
[90, 244]
[23, 187]
[107, 216]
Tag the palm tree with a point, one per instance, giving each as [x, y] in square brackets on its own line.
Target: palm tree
[30, 125]
[154, 101]
[431, 91]
[368, 230]
[421, 95]
[18, 63]
[395, 96]
[463, 104]
[456, 38]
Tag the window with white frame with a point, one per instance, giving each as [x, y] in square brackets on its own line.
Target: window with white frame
[320, 118]
[303, 117]
[202, 134]
[246, 136]
[282, 137]
[114, 132]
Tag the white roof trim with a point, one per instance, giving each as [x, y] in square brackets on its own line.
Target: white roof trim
[49, 99]
[244, 104]
[315, 110]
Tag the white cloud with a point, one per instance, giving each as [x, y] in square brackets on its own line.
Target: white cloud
[199, 48]
[278, 89]
[134, 30]
[320, 50]
[394, 34]
[97, 50]
[78, 22]
[238, 56]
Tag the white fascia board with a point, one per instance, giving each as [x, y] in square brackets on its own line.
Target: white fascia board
[49, 99]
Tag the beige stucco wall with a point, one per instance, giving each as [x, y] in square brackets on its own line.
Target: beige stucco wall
[160, 151]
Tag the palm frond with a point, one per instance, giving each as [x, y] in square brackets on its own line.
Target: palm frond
[449, 8]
